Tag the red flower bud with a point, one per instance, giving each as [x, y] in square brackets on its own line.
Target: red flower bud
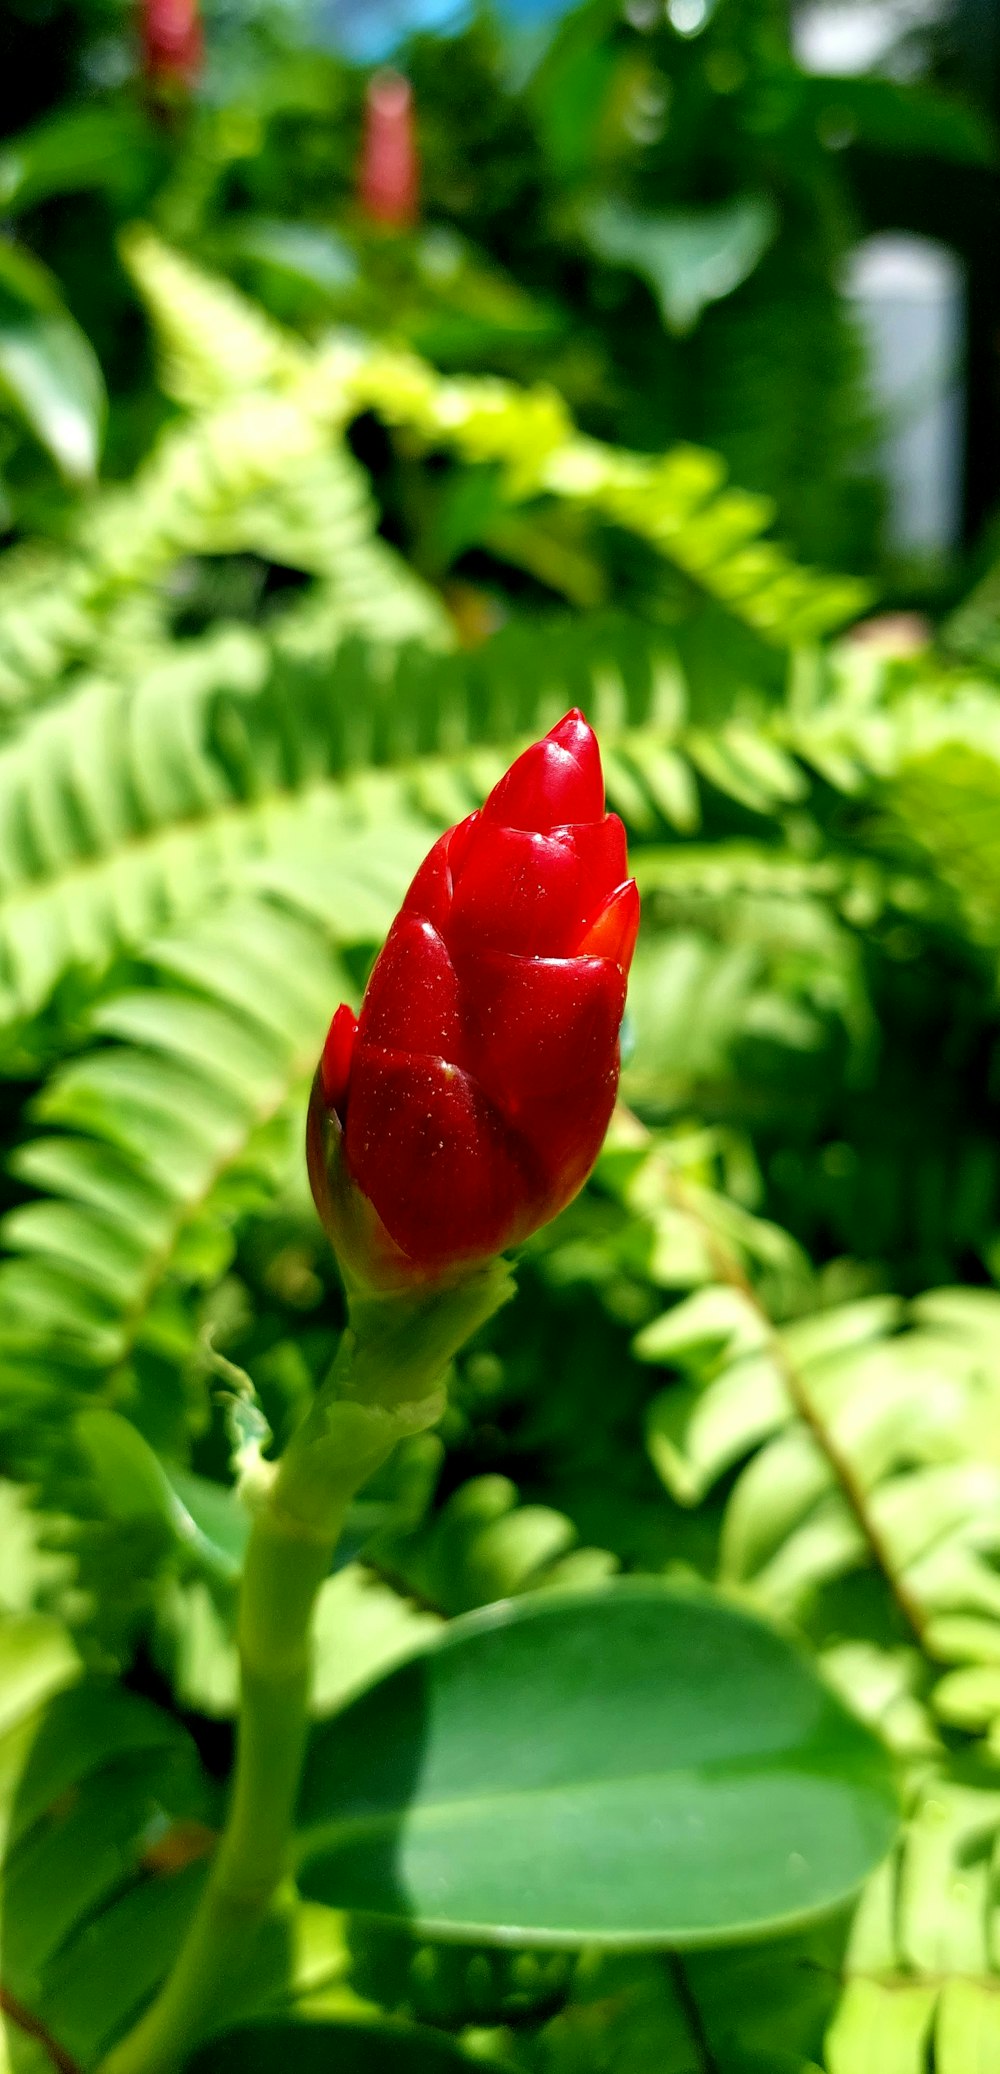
[468, 1102]
[172, 46]
[389, 170]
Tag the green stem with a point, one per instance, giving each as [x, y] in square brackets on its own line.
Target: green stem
[284, 1571]
[385, 1385]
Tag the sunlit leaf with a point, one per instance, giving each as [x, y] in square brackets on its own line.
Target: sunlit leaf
[573, 1770]
[691, 257]
[48, 368]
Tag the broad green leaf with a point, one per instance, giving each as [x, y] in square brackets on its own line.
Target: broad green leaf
[64, 1870]
[96, 1983]
[48, 368]
[350, 2048]
[115, 149]
[573, 1770]
[691, 257]
[81, 1730]
[205, 1519]
[102, 1788]
[306, 252]
[913, 119]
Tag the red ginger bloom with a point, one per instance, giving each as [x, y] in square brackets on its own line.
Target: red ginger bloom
[389, 170]
[172, 45]
[468, 1102]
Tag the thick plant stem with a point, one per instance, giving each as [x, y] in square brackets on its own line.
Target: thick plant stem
[283, 1574]
[386, 1384]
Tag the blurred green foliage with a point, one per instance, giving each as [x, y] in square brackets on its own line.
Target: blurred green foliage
[647, 210]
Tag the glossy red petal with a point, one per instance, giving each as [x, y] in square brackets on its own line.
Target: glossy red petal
[519, 892]
[335, 1064]
[564, 1134]
[614, 931]
[430, 892]
[557, 780]
[540, 1026]
[411, 1002]
[603, 856]
[435, 1158]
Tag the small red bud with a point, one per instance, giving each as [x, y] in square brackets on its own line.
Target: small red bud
[389, 169]
[467, 1104]
[172, 43]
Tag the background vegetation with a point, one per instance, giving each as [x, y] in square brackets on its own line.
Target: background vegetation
[308, 528]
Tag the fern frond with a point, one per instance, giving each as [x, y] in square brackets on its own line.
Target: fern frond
[921, 1972]
[163, 1136]
[259, 471]
[122, 811]
[861, 1435]
[214, 342]
[924, 741]
[677, 503]
[128, 805]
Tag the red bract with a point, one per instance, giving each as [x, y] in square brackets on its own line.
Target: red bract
[389, 170]
[172, 46]
[468, 1102]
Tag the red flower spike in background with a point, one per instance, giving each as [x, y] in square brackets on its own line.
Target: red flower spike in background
[172, 44]
[468, 1102]
[389, 169]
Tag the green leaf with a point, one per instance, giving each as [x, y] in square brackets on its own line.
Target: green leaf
[304, 251]
[910, 118]
[569, 1771]
[691, 257]
[113, 149]
[48, 368]
[883, 2025]
[967, 2034]
[37, 1659]
[206, 1520]
[352, 2048]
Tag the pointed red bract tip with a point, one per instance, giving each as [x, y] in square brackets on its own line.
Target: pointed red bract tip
[613, 932]
[335, 1064]
[556, 782]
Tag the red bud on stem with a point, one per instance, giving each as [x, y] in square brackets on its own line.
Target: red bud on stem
[172, 43]
[389, 169]
[467, 1103]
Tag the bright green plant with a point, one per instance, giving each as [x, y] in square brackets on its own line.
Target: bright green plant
[648, 208]
[213, 789]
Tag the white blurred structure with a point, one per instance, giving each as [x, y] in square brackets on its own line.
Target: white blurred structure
[846, 38]
[909, 300]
